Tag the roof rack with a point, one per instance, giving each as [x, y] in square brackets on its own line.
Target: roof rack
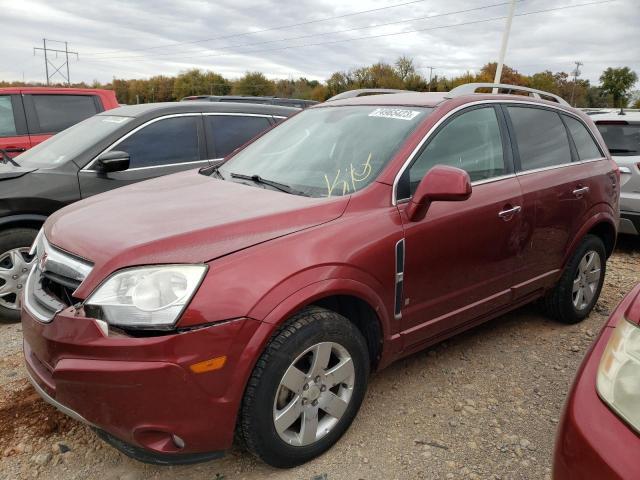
[470, 88]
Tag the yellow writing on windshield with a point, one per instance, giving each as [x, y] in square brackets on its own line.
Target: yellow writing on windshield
[354, 177]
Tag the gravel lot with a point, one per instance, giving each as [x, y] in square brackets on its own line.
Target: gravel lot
[484, 404]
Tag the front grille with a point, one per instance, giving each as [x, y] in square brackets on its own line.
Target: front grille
[53, 280]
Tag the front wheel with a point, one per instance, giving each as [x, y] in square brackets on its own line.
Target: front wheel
[306, 388]
[15, 264]
[579, 287]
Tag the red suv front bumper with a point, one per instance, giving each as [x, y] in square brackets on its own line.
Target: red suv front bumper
[592, 441]
[141, 391]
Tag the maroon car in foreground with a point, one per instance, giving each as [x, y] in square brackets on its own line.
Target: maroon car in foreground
[254, 296]
[598, 435]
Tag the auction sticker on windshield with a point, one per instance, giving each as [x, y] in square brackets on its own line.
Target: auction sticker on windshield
[397, 113]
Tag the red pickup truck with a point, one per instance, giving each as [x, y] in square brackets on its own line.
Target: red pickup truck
[30, 115]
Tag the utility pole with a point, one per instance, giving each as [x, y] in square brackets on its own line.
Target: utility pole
[576, 74]
[56, 68]
[505, 41]
[430, 75]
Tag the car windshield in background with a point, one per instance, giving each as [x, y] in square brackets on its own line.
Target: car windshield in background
[327, 151]
[70, 142]
[622, 138]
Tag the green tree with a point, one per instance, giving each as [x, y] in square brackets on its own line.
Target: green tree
[254, 84]
[405, 68]
[197, 82]
[618, 82]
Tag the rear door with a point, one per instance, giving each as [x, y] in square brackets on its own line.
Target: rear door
[460, 258]
[159, 147]
[559, 188]
[48, 114]
[14, 136]
[227, 131]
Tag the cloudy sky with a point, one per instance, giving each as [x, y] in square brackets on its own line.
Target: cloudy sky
[292, 38]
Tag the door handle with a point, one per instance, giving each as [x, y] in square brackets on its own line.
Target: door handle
[579, 192]
[509, 212]
[15, 149]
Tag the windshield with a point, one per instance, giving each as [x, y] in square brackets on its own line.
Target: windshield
[622, 138]
[328, 151]
[67, 144]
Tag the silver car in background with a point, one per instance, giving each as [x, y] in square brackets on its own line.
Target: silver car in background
[621, 133]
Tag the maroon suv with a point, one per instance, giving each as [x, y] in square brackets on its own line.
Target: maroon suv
[255, 296]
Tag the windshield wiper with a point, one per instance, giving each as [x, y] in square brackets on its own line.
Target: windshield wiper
[621, 150]
[7, 159]
[278, 186]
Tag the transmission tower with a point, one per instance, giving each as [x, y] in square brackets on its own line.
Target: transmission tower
[56, 69]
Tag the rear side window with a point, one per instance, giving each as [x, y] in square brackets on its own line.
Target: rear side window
[228, 132]
[471, 141]
[622, 138]
[541, 137]
[7, 121]
[167, 141]
[585, 144]
[57, 112]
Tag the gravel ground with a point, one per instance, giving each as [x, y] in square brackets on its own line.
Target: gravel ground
[484, 404]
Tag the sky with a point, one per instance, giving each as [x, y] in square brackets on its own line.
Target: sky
[293, 38]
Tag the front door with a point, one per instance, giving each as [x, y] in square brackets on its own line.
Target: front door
[14, 137]
[460, 258]
[164, 146]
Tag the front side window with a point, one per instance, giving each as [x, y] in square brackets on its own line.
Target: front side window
[328, 151]
[541, 137]
[57, 112]
[229, 132]
[7, 122]
[622, 138]
[167, 141]
[471, 141]
[585, 144]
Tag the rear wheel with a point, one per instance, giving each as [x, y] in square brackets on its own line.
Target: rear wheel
[578, 290]
[305, 389]
[15, 265]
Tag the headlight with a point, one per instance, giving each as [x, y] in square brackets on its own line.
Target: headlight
[145, 297]
[618, 381]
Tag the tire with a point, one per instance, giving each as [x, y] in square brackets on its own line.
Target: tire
[12, 239]
[562, 303]
[266, 397]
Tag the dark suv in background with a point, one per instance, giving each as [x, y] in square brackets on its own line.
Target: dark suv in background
[283, 102]
[30, 115]
[106, 151]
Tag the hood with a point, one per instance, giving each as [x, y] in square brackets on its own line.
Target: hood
[181, 218]
[8, 170]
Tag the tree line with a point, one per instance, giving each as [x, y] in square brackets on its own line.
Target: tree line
[614, 89]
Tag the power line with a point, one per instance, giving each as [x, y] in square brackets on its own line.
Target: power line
[369, 37]
[408, 20]
[280, 27]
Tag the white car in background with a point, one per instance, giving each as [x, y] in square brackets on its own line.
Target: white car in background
[621, 133]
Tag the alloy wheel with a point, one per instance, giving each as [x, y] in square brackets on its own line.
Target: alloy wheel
[587, 280]
[15, 266]
[314, 394]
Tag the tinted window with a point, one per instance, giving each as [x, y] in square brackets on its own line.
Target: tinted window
[7, 122]
[622, 138]
[470, 141]
[585, 144]
[230, 131]
[541, 136]
[172, 140]
[57, 112]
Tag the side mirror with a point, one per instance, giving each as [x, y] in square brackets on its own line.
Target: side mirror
[113, 161]
[440, 184]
